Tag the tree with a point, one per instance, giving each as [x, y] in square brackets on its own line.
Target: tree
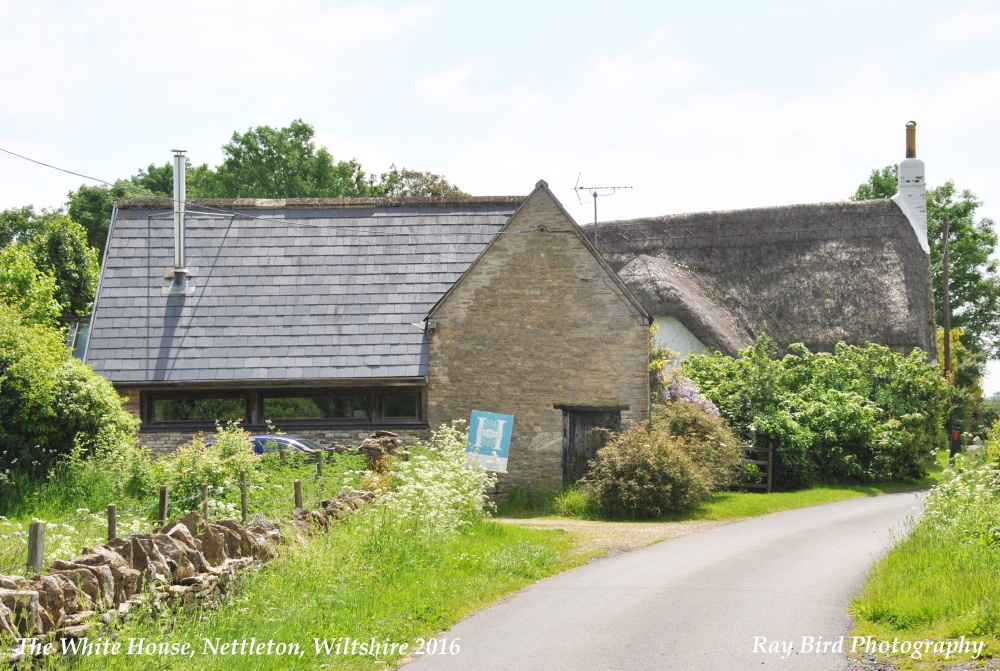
[263, 162]
[91, 207]
[26, 290]
[284, 163]
[49, 402]
[408, 183]
[974, 284]
[61, 250]
[23, 223]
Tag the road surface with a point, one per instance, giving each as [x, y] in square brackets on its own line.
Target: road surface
[741, 596]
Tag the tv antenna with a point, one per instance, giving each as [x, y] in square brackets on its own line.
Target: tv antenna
[595, 191]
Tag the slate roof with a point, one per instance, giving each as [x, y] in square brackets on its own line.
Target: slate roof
[816, 274]
[297, 290]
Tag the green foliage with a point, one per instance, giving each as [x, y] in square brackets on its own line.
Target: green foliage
[266, 162]
[403, 182]
[438, 491]
[943, 581]
[50, 402]
[216, 464]
[704, 437]
[25, 289]
[993, 445]
[644, 473]
[91, 207]
[22, 224]
[61, 250]
[964, 407]
[659, 360]
[346, 584]
[974, 290]
[574, 501]
[881, 184]
[858, 414]
[112, 468]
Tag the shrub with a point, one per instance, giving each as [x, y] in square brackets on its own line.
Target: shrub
[703, 436]
[993, 445]
[438, 491]
[644, 473]
[966, 506]
[49, 403]
[217, 464]
[858, 414]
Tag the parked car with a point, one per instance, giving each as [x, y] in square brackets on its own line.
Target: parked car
[264, 444]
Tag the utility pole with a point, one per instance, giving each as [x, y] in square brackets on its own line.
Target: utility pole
[946, 335]
[946, 306]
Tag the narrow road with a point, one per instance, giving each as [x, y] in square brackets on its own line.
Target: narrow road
[699, 602]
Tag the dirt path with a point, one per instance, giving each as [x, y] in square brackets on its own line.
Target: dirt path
[614, 537]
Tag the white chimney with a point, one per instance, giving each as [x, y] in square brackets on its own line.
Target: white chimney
[911, 193]
[179, 274]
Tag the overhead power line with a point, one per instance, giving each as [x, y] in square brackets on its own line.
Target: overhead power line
[208, 210]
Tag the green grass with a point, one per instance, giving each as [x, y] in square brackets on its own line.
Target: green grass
[570, 502]
[350, 582]
[932, 588]
[70, 529]
[942, 581]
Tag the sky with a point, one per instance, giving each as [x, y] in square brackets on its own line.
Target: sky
[696, 106]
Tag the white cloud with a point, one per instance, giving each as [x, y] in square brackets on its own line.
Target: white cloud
[695, 148]
[449, 89]
[207, 54]
[972, 23]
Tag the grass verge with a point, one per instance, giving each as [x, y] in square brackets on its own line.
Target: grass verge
[356, 584]
[931, 588]
[571, 502]
[942, 581]
[69, 530]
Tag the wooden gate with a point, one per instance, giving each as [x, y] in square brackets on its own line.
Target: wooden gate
[760, 461]
[585, 431]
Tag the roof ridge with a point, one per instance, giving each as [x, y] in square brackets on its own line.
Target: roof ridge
[312, 203]
[747, 210]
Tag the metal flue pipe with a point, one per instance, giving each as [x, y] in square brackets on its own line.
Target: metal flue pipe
[180, 195]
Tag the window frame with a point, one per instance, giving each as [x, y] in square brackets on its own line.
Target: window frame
[254, 403]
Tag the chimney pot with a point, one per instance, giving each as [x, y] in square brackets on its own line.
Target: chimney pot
[911, 139]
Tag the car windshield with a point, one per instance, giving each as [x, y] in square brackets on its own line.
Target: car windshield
[308, 443]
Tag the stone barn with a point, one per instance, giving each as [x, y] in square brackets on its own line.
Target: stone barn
[332, 318]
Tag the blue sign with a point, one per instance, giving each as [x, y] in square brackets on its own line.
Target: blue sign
[489, 440]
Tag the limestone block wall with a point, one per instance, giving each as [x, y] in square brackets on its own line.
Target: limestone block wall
[537, 322]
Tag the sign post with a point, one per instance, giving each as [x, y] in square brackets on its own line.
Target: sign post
[489, 440]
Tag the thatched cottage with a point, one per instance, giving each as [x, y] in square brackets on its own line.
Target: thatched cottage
[817, 274]
[331, 318]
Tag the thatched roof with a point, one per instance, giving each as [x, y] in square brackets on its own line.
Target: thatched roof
[814, 274]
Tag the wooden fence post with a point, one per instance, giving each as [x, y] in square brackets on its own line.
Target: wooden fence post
[770, 465]
[204, 501]
[298, 494]
[36, 546]
[112, 522]
[319, 462]
[164, 503]
[284, 455]
[243, 495]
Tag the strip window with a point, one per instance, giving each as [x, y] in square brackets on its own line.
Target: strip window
[286, 408]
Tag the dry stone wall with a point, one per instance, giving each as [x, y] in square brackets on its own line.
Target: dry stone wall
[191, 561]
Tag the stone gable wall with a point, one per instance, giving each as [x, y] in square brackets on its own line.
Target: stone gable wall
[537, 322]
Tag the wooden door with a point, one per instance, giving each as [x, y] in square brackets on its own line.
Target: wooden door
[585, 431]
